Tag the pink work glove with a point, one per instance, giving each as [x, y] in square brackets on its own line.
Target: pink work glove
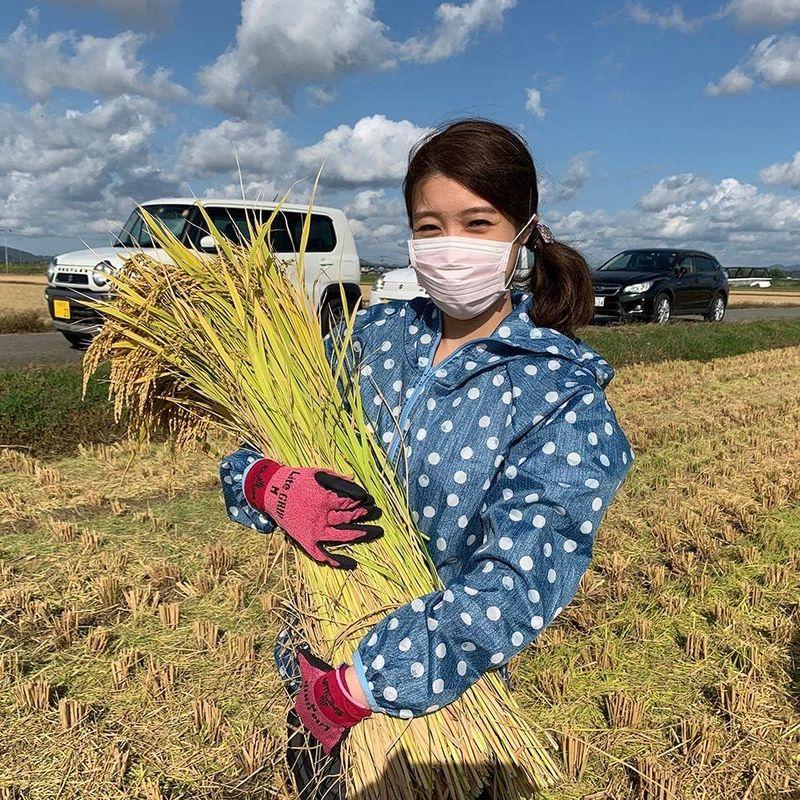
[323, 703]
[314, 506]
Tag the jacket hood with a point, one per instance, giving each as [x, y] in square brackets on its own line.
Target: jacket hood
[516, 335]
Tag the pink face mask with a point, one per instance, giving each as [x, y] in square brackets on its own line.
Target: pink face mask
[463, 275]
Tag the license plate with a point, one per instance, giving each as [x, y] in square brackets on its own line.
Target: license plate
[599, 301]
[61, 309]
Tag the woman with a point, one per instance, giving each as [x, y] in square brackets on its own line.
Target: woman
[495, 412]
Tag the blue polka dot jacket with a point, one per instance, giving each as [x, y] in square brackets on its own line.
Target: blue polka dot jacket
[512, 455]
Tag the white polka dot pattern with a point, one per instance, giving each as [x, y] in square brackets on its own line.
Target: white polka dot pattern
[541, 514]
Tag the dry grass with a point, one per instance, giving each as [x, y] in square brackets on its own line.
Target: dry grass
[690, 609]
[23, 308]
[763, 298]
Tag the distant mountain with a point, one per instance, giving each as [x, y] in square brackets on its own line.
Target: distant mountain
[20, 256]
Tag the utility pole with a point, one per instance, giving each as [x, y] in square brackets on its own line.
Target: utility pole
[5, 247]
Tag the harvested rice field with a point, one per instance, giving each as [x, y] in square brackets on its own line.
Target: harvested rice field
[137, 622]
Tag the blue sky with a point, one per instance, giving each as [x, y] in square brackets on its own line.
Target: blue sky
[651, 123]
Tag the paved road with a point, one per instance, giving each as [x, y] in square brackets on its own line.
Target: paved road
[20, 349]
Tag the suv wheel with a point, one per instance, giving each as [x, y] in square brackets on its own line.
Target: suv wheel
[717, 310]
[662, 308]
[332, 312]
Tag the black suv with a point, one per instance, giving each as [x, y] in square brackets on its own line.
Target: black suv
[653, 285]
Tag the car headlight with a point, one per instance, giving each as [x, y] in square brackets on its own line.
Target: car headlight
[100, 274]
[638, 288]
[51, 271]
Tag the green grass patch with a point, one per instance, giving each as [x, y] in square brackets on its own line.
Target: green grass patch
[697, 341]
[24, 268]
[41, 410]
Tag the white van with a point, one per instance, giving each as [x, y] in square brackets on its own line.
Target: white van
[331, 257]
[397, 284]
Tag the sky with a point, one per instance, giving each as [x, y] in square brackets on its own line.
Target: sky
[651, 124]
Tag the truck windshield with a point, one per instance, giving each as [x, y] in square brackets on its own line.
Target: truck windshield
[658, 260]
[135, 233]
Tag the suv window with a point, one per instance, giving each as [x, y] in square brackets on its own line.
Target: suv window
[136, 234]
[705, 264]
[285, 232]
[688, 262]
[659, 260]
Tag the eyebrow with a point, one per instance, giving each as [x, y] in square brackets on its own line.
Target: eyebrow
[474, 210]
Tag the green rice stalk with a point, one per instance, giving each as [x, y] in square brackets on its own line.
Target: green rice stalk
[232, 343]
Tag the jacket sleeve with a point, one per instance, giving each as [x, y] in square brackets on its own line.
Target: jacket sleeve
[232, 470]
[234, 467]
[540, 520]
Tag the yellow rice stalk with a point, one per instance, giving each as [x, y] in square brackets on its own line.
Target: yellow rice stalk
[233, 342]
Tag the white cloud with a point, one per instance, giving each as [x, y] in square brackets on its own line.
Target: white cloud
[787, 173]
[766, 13]
[81, 170]
[261, 150]
[101, 65]
[775, 61]
[151, 13]
[672, 18]
[733, 82]
[320, 95]
[374, 151]
[674, 190]
[280, 46]
[457, 24]
[379, 223]
[375, 204]
[533, 103]
[731, 219]
[573, 179]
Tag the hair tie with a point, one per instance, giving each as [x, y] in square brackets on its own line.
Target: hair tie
[544, 232]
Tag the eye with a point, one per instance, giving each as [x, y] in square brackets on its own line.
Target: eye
[479, 223]
[425, 228]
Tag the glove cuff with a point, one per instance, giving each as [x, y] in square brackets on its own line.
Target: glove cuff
[334, 704]
[255, 481]
[343, 686]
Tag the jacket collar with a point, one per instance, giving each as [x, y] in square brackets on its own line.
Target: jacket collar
[516, 334]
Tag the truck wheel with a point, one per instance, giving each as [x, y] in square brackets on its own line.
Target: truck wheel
[78, 341]
[332, 312]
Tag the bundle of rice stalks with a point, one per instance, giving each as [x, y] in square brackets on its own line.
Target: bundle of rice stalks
[232, 343]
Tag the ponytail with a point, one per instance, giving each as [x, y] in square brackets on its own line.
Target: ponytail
[563, 296]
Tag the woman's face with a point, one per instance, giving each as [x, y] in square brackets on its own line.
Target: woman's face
[444, 207]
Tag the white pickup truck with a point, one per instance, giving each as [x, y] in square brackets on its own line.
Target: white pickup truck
[331, 257]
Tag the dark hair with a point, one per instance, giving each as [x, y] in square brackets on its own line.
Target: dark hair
[495, 163]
